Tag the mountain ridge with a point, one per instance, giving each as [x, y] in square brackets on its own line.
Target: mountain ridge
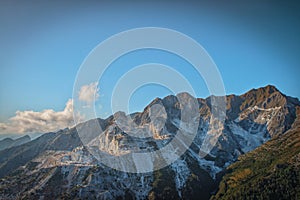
[269, 172]
[59, 160]
[8, 142]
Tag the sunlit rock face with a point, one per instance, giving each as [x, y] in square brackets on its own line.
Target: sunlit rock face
[64, 164]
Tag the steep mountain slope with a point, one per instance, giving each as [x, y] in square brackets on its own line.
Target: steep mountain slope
[57, 165]
[8, 142]
[271, 171]
[13, 158]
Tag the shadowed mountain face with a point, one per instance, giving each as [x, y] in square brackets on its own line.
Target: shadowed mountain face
[269, 172]
[8, 142]
[57, 165]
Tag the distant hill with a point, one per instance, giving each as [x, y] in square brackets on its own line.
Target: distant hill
[8, 142]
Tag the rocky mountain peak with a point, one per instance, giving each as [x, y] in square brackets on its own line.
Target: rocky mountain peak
[266, 90]
[61, 160]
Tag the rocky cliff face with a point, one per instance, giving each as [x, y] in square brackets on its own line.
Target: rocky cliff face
[272, 171]
[58, 165]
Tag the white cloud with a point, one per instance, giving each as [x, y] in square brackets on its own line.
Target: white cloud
[49, 120]
[44, 121]
[89, 93]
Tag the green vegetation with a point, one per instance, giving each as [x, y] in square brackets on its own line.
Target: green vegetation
[163, 185]
[270, 172]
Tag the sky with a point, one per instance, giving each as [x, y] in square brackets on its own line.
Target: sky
[43, 45]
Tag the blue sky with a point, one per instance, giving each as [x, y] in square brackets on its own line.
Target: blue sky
[43, 45]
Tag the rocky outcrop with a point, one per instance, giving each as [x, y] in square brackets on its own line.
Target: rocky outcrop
[58, 165]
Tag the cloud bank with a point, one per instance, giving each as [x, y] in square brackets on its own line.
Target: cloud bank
[89, 93]
[49, 120]
[40, 122]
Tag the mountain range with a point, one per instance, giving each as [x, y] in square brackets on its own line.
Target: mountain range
[255, 156]
[8, 142]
